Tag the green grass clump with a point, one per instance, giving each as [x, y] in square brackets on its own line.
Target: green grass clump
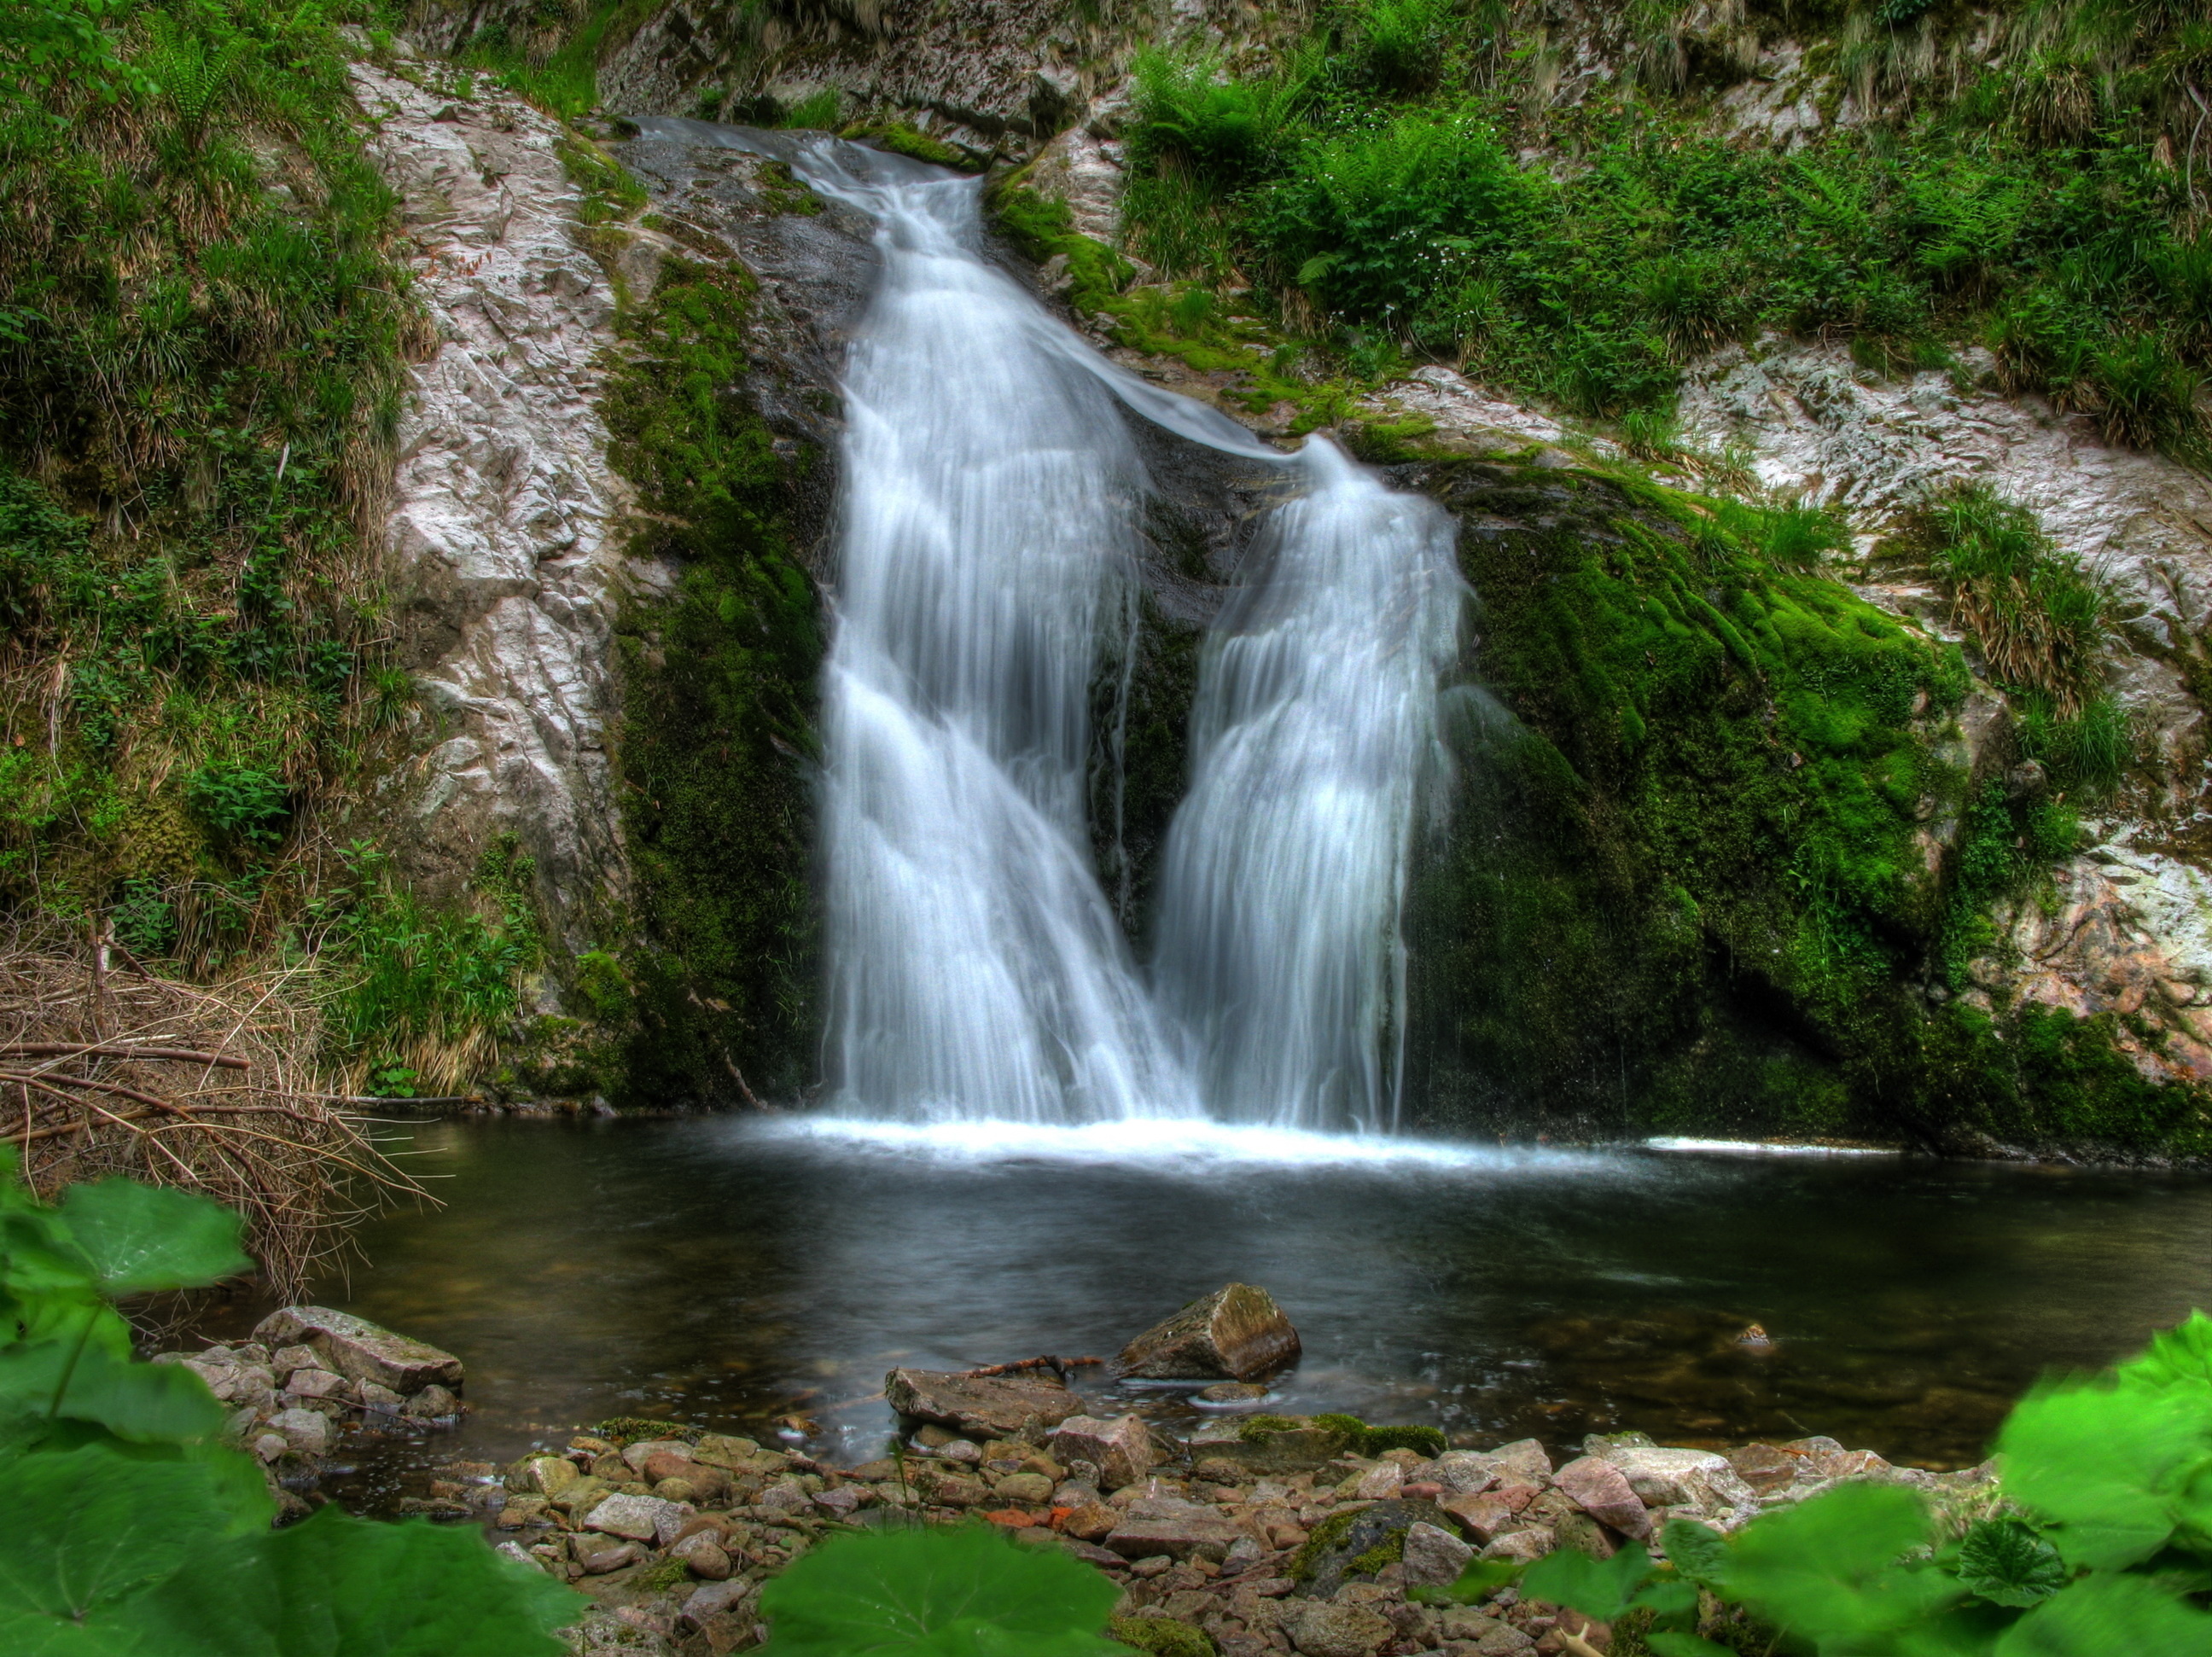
[1161, 1637]
[1364, 1439]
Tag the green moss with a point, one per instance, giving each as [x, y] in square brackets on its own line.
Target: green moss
[1387, 1552]
[1161, 1637]
[623, 1431]
[1253, 1429]
[717, 681]
[1302, 1564]
[904, 140]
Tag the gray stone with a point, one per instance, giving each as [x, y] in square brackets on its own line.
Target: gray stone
[1331, 1556]
[433, 1402]
[1236, 1333]
[637, 1517]
[1519, 1547]
[1122, 1450]
[315, 1383]
[1601, 1490]
[1465, 1472]
[1526, 1457]
[1434, 1557]
[1155, 1525]
[1320, 1629]
[990, 1406]
[713, 1599]
[1663, 1478]
[360, 1350]
[269, 1446]
[598, 1555]
[303, 1432]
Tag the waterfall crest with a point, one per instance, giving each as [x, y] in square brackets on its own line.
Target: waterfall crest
[988, 531]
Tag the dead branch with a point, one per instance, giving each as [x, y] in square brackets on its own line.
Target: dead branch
[141, 1055]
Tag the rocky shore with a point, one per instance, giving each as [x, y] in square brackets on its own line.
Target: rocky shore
[1258, 1533]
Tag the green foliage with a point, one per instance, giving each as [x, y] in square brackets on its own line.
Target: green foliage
[137, 1530]
[963, 1592]
[2111, 1555]
[718, 688]
[1361, 1439]
[47, 43]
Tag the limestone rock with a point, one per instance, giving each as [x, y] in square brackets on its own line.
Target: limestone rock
[991, 1406]
[1602, 1491]
[360, 1351]
[1121, 1449]
[1236, 1333]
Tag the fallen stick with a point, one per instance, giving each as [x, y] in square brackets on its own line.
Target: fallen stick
[104, 1050]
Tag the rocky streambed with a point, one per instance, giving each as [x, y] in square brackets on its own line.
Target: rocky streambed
[1256, 1532]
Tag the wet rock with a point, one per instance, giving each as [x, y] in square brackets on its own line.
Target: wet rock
[1434, 1557]
[1317, 1630]
[1236, 1333]
[1122, 1450]
[1602, 1491]
[1233, 1391]
[994, 1407]
[1526, 1458]
[546, 1475]
[303, 1432]
[1179, 1529]
[1671, 1479]
[637, 1517]
[315, 1383]
[433, 1402]
[1359, 1542]
[1763, 1467]
[598, 1555]
[360, 1350]
[703, 1554]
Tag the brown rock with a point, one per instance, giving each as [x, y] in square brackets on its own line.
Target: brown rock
[1122, 1450]
[702, 1552]
[1317, 1629]
[1181, 1530]
[359, 1350]
[1090, 1523]
[1601, 1490]
[1236, 1333]
[1486, 1517]
[992, 1406]
[1763, 1467]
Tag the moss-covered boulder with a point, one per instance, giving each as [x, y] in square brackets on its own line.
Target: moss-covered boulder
[1354, 1544]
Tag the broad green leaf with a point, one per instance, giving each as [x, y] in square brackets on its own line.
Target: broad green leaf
[1683, 1645]
[1698, 1552]
[2180, 1356]
[150, 1403]
[140, 1238]
[336, 1586]
[1669, 1598]
[90, 1527]
[1481, 1577]
[2105, 1467]
[2110, 1615]
[933, 1591]
[2008, 1564]
[1828, 1568]
[1600, 1588]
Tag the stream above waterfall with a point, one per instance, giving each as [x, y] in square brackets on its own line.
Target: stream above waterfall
[730, 1272]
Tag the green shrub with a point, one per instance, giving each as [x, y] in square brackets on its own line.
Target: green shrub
[2146, 396]
[138, 1529]
[241, 805]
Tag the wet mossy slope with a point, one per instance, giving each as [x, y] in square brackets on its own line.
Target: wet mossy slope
[1718, 850]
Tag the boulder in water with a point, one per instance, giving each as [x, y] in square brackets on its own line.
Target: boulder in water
[1236, 1333]
[985, 1406]
[359, 1350]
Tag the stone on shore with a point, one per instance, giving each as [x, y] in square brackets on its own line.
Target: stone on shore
[1352, 1543]
[638, 1518]
[1122, 1450]
[1236, 1333]
[1433, 1556]
[359, 1350]
[988, 1406]
[304, 1431]
[1602, 1491]
[1319, 1629]
[1181, 1530]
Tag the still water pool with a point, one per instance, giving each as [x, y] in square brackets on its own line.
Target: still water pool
[732, 1271]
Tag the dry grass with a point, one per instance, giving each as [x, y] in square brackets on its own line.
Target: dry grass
[107, 1069]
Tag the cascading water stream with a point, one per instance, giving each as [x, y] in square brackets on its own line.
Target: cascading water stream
[988, 531]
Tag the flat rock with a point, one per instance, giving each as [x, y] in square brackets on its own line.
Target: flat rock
[1663, 1478]
[990, 1406]
[1434, 1557]
[1181, 1530]
[1329, 1630]
[1122, 1450]
[638, 1518]
[303, 1432]
[1236, 1333]
[1602, 1491]
[360, 1350]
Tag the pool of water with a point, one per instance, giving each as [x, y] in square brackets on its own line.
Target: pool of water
[736, 1272]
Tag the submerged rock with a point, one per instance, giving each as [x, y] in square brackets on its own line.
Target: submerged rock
[1236, 1333]
[990, 1406]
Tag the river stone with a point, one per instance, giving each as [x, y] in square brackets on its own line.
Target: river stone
[1601, 1490]
[1326, 1631]
[1236, 1333]
[637, 1517]
[1669, 1478]
[1519, 1547]
[360, 1350]
[1122, 1450]
[1526, 1457]
[1023, 1490]
[314, 1383]
[1763, 1467]
[988, 1406]
[1434, 1557]
[1152, 1526]
[1483, 1517]
[1465, 1472]
[545, 1475]
[304, 1431]
[1332, 1555]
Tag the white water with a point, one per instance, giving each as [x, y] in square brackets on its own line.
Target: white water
[987, 545]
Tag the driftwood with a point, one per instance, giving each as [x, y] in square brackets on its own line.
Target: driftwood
[210, 1088]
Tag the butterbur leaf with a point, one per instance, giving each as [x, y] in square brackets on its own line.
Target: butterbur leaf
[1668, 1599]
[2105, 1465]
[938, 1591]
[2110, 1615]
[140, 1238]
[1828, 1569]
[335, 1584]
[2008, 1564]
[1602, 1588]
[2180, 1356]
[1698, 1552]
[150, 1403]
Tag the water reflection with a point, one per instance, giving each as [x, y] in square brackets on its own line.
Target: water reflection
[734, 1272]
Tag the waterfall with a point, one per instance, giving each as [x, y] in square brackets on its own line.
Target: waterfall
[986, 535]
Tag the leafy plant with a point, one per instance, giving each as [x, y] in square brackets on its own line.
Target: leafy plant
[135, 1529]
[243, 805]
[2109, 1549]
[948, 1592]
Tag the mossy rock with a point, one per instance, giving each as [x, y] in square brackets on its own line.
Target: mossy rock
[1358, 1543]
[1163, 1636]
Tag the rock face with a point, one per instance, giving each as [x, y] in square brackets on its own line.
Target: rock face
[504, 510]
[1236, 1333]
[359, 1350]
[1122, 1450]
[990, 1406]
